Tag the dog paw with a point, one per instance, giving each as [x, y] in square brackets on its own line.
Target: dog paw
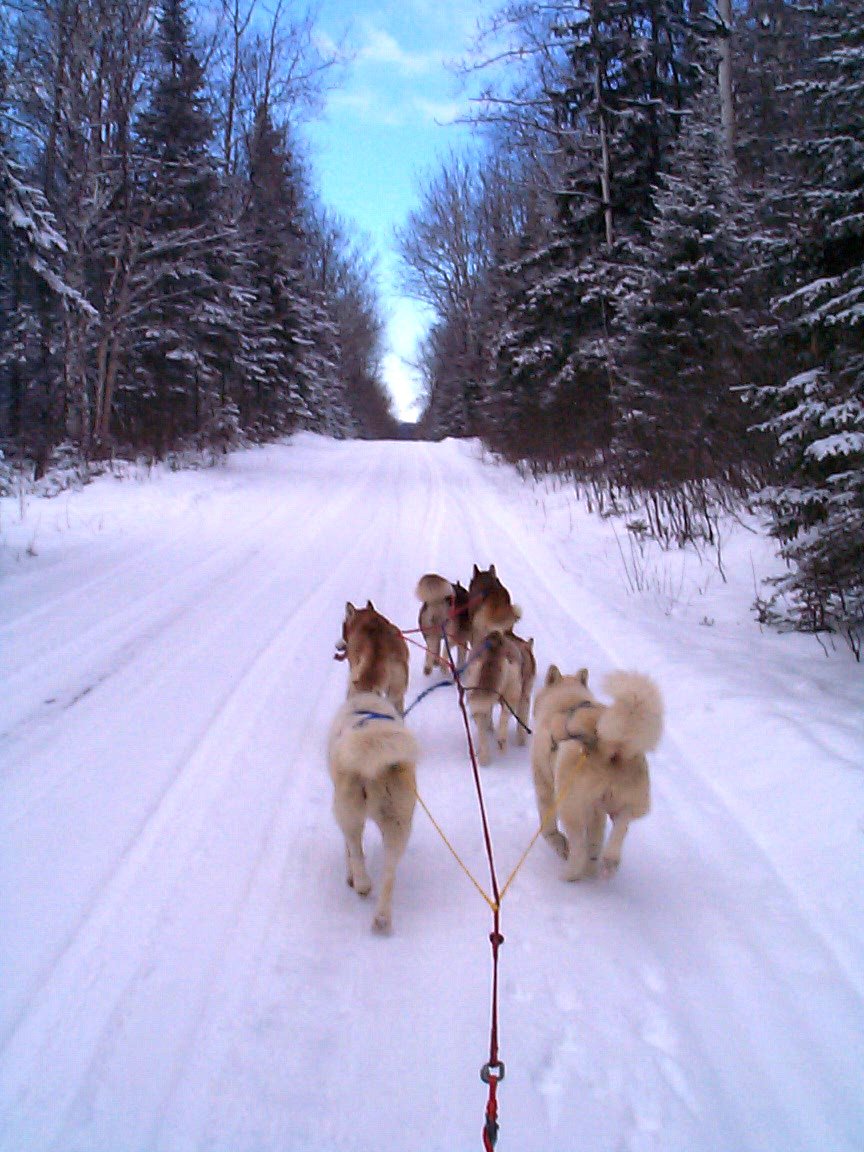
[382, 925]
[362, 885]
[574, 875]
[608, 867]
[559, 844]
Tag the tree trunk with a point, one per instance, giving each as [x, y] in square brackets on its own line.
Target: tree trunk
[724, 77]
[605, 164]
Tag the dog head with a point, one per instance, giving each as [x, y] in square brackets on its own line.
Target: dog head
[562, 692]
[556, 676]
[354, 618]
[483, 582]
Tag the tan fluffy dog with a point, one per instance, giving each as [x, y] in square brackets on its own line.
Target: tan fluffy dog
[376, 653]
[529, 675]
[372, 759]
[489, 605]
[500, 673]
[588, 762]
[442, 613]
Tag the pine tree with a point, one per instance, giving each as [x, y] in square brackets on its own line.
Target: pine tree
[683, 327]
[622, 74]
[817, 415]
[31, 281]
[185, 331]
[282, 390]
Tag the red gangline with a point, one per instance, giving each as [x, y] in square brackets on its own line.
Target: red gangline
[493, 1071]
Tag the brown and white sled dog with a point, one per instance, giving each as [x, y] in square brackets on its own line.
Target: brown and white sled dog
[500, 674]
[443, 612]
[376, 652]
[372, 759]
[490, 606]
[588, 762]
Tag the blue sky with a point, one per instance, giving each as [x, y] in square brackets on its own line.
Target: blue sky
[383, 128]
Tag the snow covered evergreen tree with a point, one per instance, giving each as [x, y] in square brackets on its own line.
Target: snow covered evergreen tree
[683, 326]
[817, 415]
[618, 78]
[293, 380]
[186, 332]
[32, 251]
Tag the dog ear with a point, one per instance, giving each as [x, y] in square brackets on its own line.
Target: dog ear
[492, 571]
[583, 677]
[553, 675]
[349, 610]
[369, 604]
[476, 572]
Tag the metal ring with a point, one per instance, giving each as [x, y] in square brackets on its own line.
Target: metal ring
[488, 1071]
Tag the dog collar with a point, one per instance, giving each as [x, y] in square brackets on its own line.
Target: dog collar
[586, 741]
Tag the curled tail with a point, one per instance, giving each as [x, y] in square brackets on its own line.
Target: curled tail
[633, 724]
[432, 588]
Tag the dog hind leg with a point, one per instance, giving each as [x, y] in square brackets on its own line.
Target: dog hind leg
[433, 650]
[395, 812]
[611, 858]
[503, 723]
[348, 808]
[596, 832]
[483, 722]
[544, 791]
[578, 861]
[523, 713]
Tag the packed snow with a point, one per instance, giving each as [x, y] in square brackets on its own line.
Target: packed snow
[183, 966]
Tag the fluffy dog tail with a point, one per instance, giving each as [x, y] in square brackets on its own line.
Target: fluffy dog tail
[633, 724]
[370, 750]
[432, 588]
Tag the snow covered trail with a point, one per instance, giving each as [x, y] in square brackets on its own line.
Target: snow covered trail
[183, 967]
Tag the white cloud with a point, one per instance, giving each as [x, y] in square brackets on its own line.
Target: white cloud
[366, 105]
[440, 111]
[381, 47]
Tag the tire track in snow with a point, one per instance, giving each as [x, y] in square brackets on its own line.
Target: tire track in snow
[264, 929]
[117, 634]
[77, 974]
[171, 801]
[227, 582]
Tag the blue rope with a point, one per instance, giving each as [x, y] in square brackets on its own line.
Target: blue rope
[445, 683]
[426, 691]
[368, 715]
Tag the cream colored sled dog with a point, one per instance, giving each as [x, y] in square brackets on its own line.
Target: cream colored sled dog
[588, 762]
[372, 759]
[443, 611]
[436, 596]
[500, 674]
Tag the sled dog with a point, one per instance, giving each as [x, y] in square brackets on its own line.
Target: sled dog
[443, 611]
[372, 759]
[490, 607]
[529, 675]
[588, 762]
[500, 673]
[376, 652]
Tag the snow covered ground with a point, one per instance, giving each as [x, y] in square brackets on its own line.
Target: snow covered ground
[181, 963]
